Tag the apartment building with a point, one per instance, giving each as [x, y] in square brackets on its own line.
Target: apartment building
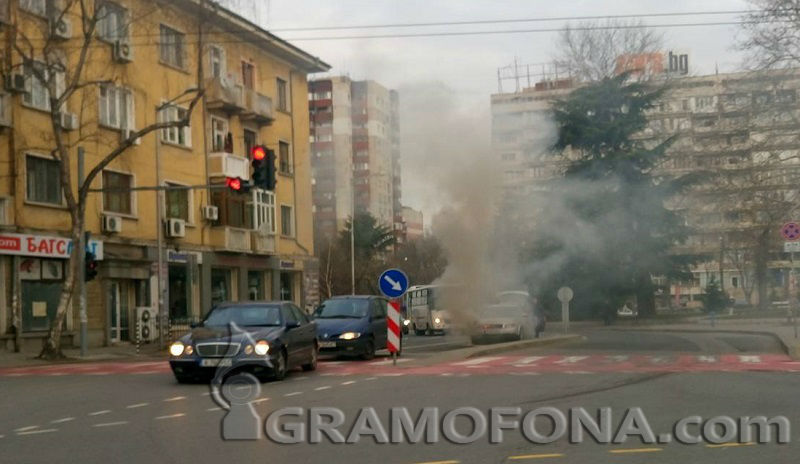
[741, 124]
[148, 58]
[414, 223]
[369, 135]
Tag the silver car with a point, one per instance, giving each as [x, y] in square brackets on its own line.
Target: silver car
[505, 321]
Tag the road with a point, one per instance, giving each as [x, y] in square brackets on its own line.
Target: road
[135, 412]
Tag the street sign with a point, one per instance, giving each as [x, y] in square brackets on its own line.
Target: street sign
[791, 247]
[393, 283]
[791, 231]
[565, 295]
[393, 327]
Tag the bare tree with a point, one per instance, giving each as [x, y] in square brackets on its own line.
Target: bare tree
[771, 34]
[62, 67]
[589, 51]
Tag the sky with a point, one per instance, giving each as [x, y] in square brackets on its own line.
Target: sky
[467, 65]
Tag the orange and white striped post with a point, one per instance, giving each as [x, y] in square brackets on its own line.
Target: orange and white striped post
[393, 321]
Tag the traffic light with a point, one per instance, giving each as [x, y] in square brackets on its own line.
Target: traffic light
[237, 185]
[262, 160]
[271, 181]
[90, 271]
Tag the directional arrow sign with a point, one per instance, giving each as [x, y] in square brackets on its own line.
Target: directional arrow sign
[393, 283]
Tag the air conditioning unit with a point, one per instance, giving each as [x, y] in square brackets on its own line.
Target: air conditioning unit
[123, 51]
[61, 29]
[176, 228]
[146, 324]
[210, 213]
[112, 224]
[125, 134]
[69, 121]
[17, 82]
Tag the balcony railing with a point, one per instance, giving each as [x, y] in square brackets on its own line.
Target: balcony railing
[263, 243]
[257, 107]
[231, 239]
[222, 164]
[224, 95]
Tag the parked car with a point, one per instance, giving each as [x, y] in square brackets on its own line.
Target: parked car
[352, 325]
[266, 339]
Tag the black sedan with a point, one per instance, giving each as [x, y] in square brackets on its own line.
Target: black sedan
[265, 339]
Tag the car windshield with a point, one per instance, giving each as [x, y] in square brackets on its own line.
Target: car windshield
[343, 309]
[260, 315]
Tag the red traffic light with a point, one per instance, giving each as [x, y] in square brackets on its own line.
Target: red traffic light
[259, 153]
[234, 183]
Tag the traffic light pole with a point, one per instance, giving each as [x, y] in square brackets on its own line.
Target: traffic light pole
[82, 240]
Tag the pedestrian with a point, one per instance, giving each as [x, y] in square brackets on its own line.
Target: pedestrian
[539, 317]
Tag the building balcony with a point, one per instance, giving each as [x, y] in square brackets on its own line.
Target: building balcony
[263, 243]
[223, 95]
[231, 239]
[222, 164]
[257, 108]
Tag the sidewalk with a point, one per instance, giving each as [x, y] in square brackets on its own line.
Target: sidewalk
[782, 330]
[120, 353]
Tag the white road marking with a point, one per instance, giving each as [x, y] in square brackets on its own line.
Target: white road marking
[524, 374]
[25, 429]
[56, 374]
[392, 374]
[174, 398]
[35, 432]
[476, 361]
[750, 359]
[707, 359]
[146, 373]
[528, 360]
[260, 400]
[302, 377]
[389, 361]
[171, 416]
[326, 387]
[2, 436]
[100, 413]
[15, 374]
[137, 405]
[349, 382]
[110, 424]
[371, 378]
[293, 394]
[571, 359]
[446, 374]
[213, 409]
[98, 373]
[61, 421]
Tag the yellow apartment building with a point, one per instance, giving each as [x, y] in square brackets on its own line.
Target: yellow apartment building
[145, 61]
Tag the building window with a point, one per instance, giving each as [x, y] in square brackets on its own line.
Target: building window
[284, 158]
[264, 208]
[217, 61]
[220, 286]
[221, 139]
[287, 228]
[39, 96]
[119, 200]
[250, 141]
[235, 210]
[283, 99]
[117, 107]
[173, 47]
[255, 285]
[38, 7]
[248, 75]
[287, 286]
[176, 135]
[112, 23]
[177, 206]
[43, 180]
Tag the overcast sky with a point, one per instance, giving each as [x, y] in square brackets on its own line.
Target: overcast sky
[468, 64]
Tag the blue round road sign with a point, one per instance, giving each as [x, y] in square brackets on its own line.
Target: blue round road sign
[393, 283]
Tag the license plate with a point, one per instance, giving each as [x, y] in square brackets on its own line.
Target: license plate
[327, 344]
[216, 362]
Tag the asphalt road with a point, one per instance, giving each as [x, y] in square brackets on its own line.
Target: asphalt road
[144, 416]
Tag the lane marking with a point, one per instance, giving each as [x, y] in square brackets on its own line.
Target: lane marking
[439, 462]
[528, 360]
[174, 398]
[98, 373]
[36, 432]
[349, 382]
[110, 424]
[571, 359]
[56, 374]
[62, 420]
[536, 456]
[137, 405]
[213, 409]
[476, 361]
[171, 416]
[25, 429]
[326, 387]
[636, 450]
[260, 400]
[729, 445]
[392, 374]
[293, 394]
[205, 394]
[100, 413]
[371, 378]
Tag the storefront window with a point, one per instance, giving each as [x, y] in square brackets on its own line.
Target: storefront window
[287, 293]
[220, 286]
[178, 307]
[255, 285]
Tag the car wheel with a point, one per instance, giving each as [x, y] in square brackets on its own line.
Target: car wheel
[279, 372]
[419, 333]
[369, 351]
[312, 366]
[428, 330]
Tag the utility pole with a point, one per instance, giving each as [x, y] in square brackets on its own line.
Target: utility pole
[721, 260]
[160, 240]
[353, 239]
[82, 242]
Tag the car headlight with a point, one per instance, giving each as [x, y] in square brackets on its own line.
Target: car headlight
[188, 350]
[407, 322]
[349, 336]
[176, 349]
[437, 321]
[261, 348]
[248, 349]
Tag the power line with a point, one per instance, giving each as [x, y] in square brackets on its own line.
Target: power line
[507, 21]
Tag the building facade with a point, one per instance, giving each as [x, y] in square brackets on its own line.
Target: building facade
[742, 127]
[414, 223]
[148, 59]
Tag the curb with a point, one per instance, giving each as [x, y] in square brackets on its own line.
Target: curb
[793, 350]
[477, 351]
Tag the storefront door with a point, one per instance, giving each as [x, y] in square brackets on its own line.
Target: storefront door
[119, 307]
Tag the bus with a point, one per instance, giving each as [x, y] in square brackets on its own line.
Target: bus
[426, 309]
